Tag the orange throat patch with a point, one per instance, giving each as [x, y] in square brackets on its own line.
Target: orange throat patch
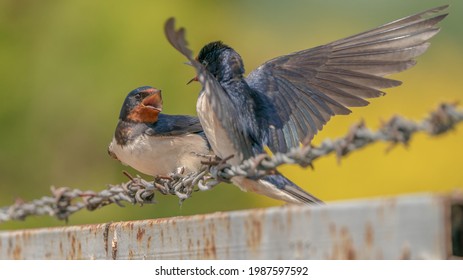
[144, 114]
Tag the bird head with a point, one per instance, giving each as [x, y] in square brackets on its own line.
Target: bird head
[142, 105]
[221, 61]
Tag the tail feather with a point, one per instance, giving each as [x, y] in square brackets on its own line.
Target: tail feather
[288, 187]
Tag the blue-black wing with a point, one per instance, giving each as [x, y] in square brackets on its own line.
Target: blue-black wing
[306, 88]
[174, 125]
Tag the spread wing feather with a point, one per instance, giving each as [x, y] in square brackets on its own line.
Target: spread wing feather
[308, 87]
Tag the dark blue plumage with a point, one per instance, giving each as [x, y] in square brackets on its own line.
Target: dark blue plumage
[174, 125]
[288, 99]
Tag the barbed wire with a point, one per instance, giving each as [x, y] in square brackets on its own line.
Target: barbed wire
[65, 201]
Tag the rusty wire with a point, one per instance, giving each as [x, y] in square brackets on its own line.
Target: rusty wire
[64, 201]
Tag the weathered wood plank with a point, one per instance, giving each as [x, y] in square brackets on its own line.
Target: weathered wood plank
[407, 227]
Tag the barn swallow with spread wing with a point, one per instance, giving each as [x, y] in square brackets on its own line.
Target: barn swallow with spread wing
[154, 143]
[286, 100]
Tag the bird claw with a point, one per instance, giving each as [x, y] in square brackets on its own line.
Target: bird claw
[163, 177]
[128, 175]
[215, 160]
[207, 156]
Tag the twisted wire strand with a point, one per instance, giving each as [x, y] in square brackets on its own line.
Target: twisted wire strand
[65, 201]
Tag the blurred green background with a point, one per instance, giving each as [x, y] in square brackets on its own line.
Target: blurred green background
[66, 67]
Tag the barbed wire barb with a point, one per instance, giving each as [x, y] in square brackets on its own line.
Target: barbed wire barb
[65, 201]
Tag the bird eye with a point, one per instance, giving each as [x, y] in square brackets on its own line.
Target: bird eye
[138, 96]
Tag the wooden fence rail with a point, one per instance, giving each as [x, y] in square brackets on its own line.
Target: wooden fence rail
[423, 226]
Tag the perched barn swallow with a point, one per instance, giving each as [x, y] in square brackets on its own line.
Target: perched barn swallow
[158, 144]
[287, 100]
[155, 143]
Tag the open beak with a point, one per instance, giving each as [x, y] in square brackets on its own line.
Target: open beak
[154, 100]
[195, 79]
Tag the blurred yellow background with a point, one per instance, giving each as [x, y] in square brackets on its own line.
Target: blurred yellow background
[66, 67]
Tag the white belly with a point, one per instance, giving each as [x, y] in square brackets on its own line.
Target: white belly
[215, 132]
[162, 155]
[222, 147]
